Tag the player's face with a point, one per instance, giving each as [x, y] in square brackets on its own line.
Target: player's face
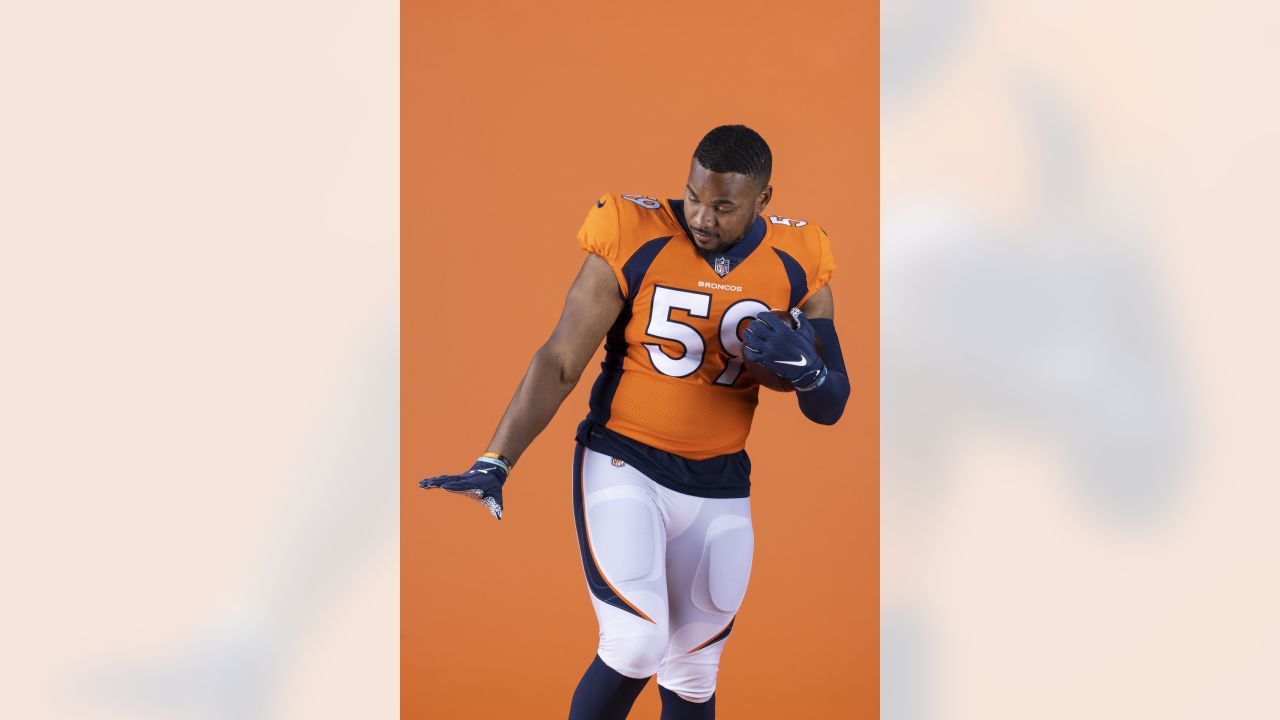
[719, 207]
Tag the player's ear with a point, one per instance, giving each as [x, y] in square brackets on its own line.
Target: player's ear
[762, 200]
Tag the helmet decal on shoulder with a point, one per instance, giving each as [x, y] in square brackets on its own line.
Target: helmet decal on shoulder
[643, 201]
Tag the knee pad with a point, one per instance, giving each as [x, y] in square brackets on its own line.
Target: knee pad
[635, 655]
[690, 677]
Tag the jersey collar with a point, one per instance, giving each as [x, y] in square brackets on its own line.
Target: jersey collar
[724, 262]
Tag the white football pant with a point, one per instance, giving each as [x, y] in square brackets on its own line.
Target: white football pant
[667, 572]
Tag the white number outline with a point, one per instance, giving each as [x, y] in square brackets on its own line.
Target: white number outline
[660, 299]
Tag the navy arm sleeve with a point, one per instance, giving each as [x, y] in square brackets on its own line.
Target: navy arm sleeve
[825, 403]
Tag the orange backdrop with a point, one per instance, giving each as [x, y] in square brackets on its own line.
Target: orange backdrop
[515, 119]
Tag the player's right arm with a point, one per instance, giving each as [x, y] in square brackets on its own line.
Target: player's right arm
[593, 304]
[590, 310]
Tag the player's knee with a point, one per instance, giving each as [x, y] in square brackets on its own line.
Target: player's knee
[636, 656]
[693, 680]
[697, 689]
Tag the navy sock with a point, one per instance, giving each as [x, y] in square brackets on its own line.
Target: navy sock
[604, 693]
[675, 707]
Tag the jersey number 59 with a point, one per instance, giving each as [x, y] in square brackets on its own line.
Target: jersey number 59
[696, 304]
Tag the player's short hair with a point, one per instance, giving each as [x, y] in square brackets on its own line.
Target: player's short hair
[736, 149]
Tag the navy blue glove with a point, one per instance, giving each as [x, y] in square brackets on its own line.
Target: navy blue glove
[483, 483]
[791, 353]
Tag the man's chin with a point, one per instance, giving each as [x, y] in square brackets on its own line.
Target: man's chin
[709, 246]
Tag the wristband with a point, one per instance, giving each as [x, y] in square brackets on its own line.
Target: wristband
[497, 459]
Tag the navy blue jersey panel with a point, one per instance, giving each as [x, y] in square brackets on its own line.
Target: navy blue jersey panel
[724, 476]
[606, 385]
[677, 209]
[615, 343]
[795, 275]
[748, 243]
[637, 265]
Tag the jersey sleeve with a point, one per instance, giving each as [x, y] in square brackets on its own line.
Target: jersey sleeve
[819, 274]
[600, 235]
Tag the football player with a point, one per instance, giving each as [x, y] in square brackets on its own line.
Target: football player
[680, 292]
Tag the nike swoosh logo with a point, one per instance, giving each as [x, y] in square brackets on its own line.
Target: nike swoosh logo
[599, 203]
[801, 362]
[486, 470]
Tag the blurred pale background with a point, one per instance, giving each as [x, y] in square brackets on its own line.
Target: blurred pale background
[1078, 260]
[199, 402]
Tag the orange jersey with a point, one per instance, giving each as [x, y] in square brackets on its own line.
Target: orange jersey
[672, 377]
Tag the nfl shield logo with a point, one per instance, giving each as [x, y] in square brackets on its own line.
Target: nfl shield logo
[722, 266]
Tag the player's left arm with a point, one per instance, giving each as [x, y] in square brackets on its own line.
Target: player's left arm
[824, 403]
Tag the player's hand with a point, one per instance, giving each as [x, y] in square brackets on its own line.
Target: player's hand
[792, 354]
[483, 483]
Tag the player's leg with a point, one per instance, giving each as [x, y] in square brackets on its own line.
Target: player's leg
[623, 545]
[675, 707]
[604, 693]
[709, 547]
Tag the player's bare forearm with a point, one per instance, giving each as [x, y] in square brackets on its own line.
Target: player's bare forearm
[592, 306]
[539, 396]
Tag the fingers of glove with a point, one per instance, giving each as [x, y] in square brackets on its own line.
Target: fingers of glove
[481, 487]
[773, 321]
[460, 483]
[769, 341]
[752, 354]
[435, 482]
[757, 331]
[441, 480]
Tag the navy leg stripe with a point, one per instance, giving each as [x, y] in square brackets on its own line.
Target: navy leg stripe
[600, 587]
[717, 638]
